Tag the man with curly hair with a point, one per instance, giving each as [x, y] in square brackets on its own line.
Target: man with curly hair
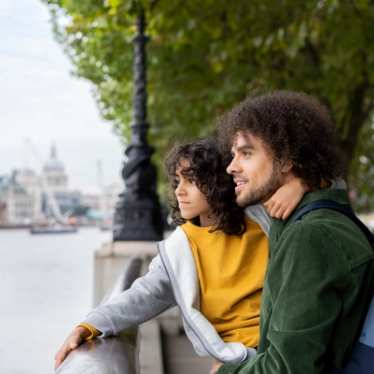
[320, 276]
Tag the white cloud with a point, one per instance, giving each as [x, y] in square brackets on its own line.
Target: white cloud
[5, 8]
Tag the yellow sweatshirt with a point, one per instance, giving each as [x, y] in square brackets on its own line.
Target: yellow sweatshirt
[231, 271]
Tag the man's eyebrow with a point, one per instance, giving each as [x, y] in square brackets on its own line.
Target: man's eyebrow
[245, 147]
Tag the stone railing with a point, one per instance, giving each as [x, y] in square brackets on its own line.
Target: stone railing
[114, 355]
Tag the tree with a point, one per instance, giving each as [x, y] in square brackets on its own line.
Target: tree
[206, 55]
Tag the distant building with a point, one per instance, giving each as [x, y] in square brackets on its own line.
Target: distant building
[4, 188]
[102, 202]
[110, 198]
[92, 200]
[55, 181]
[54, 174]
[68, 201]
[25, 196]
[30, 182]
[17, 205]
[3, 212]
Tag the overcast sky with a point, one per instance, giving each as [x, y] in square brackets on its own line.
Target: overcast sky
[41, 101]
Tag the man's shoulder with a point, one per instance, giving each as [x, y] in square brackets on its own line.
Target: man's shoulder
[330, 224]
[304, 233]
[326, 233]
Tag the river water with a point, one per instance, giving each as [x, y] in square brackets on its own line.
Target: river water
[46, 287]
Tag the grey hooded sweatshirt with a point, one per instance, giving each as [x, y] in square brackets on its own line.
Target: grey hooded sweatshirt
[172, 280]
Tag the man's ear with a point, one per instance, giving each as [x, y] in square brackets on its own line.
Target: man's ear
[286, 166]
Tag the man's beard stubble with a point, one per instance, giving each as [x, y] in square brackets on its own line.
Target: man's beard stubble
[264, 192]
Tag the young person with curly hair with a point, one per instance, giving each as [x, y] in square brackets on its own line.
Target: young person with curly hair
[320, 276]
[212, 266]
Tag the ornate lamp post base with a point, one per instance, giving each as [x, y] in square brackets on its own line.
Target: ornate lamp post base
[138, 213]
[137, 220]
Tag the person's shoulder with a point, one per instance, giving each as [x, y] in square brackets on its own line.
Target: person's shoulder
[304, 229]
[304, 238]
[331, 236]
[305, 248]
[331, 225]
[258, 214]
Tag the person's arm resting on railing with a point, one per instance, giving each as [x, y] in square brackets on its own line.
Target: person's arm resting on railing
[148, 296]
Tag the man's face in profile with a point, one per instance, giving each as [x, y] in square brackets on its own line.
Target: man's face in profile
[252, 168]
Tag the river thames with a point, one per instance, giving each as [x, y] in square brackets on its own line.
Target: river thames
[46, 287]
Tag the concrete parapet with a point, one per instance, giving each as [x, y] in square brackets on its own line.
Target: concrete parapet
[132, 248]
[150, 348]
[110, 260]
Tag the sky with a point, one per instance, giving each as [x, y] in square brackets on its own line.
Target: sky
[42, 103]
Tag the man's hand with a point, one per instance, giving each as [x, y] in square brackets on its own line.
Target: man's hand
[73, 341]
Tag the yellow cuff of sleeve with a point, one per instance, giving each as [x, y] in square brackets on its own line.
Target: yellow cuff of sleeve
[94, 332]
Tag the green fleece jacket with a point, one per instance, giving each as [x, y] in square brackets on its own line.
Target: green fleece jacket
[319, 283]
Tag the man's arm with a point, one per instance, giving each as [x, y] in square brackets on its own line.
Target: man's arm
[302, 284]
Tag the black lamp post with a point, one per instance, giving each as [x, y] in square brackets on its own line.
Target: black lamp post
[138, 213]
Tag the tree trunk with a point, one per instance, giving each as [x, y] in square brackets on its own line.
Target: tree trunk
[359, 115]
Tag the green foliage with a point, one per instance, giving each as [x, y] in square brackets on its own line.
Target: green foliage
[362, 180]
[204, 56]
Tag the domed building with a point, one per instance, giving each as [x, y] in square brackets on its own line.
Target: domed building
[54, 173]
[55, 182]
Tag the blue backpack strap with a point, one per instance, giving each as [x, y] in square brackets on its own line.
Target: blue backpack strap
[341, 208]
[362, 359]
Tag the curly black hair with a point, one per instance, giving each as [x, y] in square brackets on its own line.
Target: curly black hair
[208, 171]
[294, 126]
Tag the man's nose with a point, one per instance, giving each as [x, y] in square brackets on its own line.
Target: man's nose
[232, 168]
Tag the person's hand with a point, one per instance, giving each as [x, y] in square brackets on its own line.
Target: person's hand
[283, 202]
[73, 341]
[216, 365]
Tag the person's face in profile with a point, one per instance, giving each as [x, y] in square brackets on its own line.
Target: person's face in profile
[252, 167]
[192, 202]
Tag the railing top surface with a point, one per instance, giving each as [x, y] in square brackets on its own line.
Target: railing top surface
[115, 355]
